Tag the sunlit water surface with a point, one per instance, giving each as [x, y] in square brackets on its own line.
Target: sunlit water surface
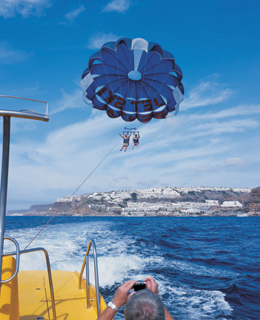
[206, 268]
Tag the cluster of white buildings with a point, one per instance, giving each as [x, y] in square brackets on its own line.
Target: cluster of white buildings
[124, 202]
[179, 208]
[119, 196]
[113, 196]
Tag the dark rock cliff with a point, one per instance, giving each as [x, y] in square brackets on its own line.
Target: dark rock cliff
[252, 204]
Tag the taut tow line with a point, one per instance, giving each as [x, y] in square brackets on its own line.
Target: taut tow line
[74, 193]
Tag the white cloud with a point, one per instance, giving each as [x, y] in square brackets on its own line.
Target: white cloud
[10, 56]
[235, 162]
[120, 6]
[185, 149]
[97, 39]
[68, 101]
[60, 164]
[215, 166]
[72, 15]
[26, 8]
[241, 110]
[205, 94]
[232, 126]
[207, 168]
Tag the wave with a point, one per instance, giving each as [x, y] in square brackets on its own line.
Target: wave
[197, 279]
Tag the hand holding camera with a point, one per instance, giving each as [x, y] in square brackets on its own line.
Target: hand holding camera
[151, 284]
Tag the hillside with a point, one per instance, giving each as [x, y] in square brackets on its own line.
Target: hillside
[252, 203]
[155, 201]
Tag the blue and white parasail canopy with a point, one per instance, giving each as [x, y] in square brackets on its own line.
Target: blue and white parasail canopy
[133, 79]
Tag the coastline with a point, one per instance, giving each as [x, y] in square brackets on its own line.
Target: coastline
[233, 214]
[170, 202]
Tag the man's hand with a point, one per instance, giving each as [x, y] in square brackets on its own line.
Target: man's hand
[120, 298]
[151, 285]
[122, 294]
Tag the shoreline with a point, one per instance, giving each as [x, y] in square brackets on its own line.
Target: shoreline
[136, 216]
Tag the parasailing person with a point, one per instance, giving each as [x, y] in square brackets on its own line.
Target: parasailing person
[136, 138]
[126, 139]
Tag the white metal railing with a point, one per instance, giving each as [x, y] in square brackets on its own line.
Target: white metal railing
[86, 264]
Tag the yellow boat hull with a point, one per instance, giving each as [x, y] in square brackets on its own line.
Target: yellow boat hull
[31, 300]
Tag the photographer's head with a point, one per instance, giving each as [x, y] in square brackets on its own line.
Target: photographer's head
[144, 305]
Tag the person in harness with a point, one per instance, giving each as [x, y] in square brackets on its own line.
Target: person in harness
[125, 141]
[136, 140]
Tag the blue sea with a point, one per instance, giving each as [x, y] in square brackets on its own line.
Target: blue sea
[206, 267]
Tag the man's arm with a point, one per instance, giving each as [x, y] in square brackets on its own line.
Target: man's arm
[151, 284]
[120, 298]
[167, 315]
[108, 314]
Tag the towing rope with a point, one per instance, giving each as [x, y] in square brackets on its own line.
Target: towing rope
[74, 192]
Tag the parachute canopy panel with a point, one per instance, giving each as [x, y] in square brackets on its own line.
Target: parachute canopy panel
[133, 79]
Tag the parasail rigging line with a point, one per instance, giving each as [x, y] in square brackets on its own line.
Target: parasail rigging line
[74, 192]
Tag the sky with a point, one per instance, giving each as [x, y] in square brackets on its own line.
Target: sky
[214, 139]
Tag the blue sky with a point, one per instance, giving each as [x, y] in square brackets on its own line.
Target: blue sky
[213, 141]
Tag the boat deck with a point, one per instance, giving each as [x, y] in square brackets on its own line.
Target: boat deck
[35, 301]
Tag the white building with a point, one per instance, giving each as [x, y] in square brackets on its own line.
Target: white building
[230, 204]
[212, 203]
[68, 198]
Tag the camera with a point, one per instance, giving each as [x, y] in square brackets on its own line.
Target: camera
[139, 286]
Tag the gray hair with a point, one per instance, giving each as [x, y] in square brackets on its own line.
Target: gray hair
[144, 305]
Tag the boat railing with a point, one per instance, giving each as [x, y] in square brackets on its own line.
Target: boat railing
[7, 115]
[18, 253]
[86, 264]
[25, 113]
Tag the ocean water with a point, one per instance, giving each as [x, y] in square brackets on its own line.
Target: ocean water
[206, 267]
